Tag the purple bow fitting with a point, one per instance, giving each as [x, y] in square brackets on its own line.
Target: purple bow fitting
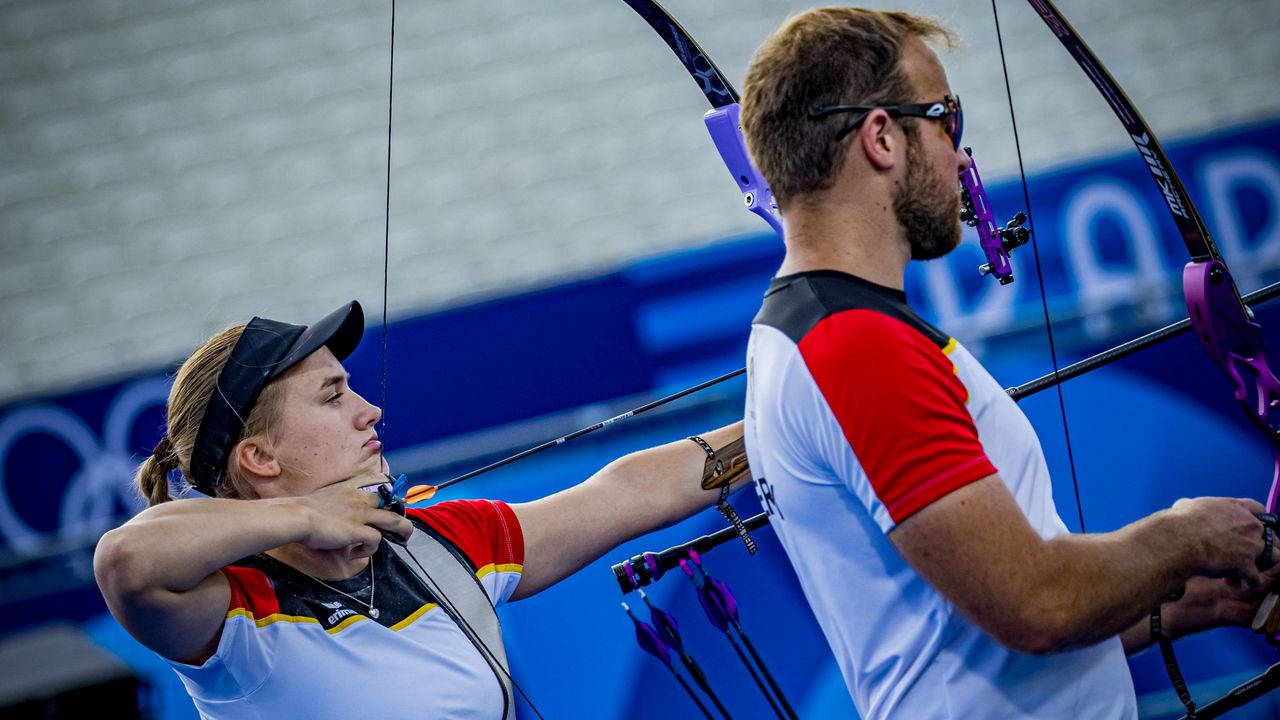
[997, 242]
[1236, 343]
[726, 133]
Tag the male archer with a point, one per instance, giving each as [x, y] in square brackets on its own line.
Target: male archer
[909, 491]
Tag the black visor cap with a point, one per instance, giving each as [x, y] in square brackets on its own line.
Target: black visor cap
[266, 349]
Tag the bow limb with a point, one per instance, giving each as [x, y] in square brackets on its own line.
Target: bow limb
[1224, 325]
[722, 119]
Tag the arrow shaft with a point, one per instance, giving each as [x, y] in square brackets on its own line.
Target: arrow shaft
[587, 430]
[699, 677]
[764, 669]
[1118, 352]
[754, 675]
[692, 695]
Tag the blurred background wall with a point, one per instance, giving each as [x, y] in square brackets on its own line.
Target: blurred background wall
[564, 243]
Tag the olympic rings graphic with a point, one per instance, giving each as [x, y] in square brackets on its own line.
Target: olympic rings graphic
[104, 480]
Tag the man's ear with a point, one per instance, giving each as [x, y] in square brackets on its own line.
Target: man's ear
[257, 457]
[879, 139]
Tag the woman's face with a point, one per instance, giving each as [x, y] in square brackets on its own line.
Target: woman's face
[326, 432]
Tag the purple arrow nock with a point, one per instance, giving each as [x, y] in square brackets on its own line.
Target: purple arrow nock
[1236, 343]
[996, 242]
[726, 133]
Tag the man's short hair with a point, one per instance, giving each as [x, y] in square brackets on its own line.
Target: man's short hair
[827, 56]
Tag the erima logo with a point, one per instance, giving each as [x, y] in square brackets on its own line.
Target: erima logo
[341, 611]
[1157, 171]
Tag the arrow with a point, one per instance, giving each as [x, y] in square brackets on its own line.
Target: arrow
[722, 610]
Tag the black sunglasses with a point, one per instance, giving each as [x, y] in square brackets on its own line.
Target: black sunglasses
[946, 110]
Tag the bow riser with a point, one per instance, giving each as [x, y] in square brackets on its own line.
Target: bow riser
[1237, 344]
[725, 127]
[1222, 323]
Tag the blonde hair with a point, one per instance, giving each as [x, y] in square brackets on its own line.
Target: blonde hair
[826, 56]
[193, 385]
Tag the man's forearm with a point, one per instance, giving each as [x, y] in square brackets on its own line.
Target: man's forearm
[1097, 586]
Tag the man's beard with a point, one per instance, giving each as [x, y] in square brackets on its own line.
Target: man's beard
[927, 209]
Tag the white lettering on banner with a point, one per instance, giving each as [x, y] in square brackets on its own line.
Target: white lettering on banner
[1223, 178]
[1145, 284]
[103, 484]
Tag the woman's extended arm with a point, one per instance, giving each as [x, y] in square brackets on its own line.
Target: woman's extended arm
[633, 495]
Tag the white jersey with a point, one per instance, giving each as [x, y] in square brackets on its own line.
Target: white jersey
[292, 648]
[859, 414]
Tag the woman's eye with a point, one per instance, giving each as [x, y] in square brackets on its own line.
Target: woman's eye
[334, 398]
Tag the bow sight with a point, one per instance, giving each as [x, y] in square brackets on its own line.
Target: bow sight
[997, 242]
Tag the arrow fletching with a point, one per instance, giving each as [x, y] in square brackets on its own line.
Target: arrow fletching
[666, 624]
[418, 493]
[649, 639]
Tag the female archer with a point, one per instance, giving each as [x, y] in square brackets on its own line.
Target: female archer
[273, 596]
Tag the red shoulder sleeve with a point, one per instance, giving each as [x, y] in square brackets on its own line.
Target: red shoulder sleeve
[900, 405]
[251, 590]
[485, 530]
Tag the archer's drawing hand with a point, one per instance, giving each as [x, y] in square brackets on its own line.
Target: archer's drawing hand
[344, 516]
[1215, 602]
[1226, 537]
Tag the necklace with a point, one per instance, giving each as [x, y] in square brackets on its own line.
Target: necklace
[373, 588]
